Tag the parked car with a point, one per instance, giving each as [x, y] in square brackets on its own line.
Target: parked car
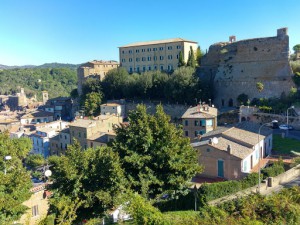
[286, 127]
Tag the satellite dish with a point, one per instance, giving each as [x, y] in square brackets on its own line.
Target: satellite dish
[48, 173]
[215, 140]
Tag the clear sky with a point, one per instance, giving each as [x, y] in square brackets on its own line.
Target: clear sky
[76, 31]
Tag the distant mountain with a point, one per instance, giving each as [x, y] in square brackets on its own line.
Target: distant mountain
[58, 65]
[46, 65]
[4, 67]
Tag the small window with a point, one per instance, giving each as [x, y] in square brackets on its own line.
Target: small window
[143, 50]
[208, 150]
[161, 67]
[154, 49]
[35, 210]
[130, 51]
[149, 58]
[178, 47]
[196, 123]
[130, 59]
[186, 133]
[169, 47]
[155, 58]
[149, 49]
[137, 59]
[144, 68]
[123, 52]
[149, 68]
[161, 57]
[170, 57]
[137, 51]
[143, 58]
[65, 137]
[79, 134]
[161, 48]
[186, 122]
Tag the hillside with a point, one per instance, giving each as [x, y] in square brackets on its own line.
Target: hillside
[45, 65]
[57, 81]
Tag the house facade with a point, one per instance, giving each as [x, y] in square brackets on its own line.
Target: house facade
[96, 69]
[199, 120]
[155, 55]
[113, 109]
[232, 153]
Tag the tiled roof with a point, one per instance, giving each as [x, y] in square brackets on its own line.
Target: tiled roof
[83, 123]
[201, 112]
[157, 42]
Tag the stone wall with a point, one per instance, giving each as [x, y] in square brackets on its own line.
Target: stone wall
[236, 68]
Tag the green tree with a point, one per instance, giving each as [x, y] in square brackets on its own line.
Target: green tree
[296, 48]
[15, 185]
[34, 160]
[296, 78]
[199, 55]
[242, 98]
[181, 61]
[259, 86]
[155, 156]
[191, 60]
[92, 103]
[92, 180]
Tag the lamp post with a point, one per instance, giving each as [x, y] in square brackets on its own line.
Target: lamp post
[259, 151]
[287, 119]
[6, 158]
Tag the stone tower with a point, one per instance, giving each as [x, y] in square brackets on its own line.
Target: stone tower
[45, 97]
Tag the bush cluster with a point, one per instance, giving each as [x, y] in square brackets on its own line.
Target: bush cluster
[273, 170]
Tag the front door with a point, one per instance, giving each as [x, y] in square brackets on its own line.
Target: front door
[220, 168]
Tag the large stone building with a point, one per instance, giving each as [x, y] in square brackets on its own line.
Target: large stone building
[155, 55]
[94, 69]
[235, 67]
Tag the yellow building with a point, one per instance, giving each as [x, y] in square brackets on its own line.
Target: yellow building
[83, 129]
[94, 69]
[155, 55]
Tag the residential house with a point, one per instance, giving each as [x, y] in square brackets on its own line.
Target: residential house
[61, 107]
[113, 109]
[83, 129]
[60, 142]
[37, 117]
[41, 137]
[155, 55]
[232, 152]
[199, 120]
[100, 139]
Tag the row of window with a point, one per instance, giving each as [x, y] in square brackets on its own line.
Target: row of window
[201, 123]
[149, 58]
[151, 49]
[197, 132]
[149, 68]
[79, 134]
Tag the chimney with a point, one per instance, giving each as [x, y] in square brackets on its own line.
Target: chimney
[229, 149]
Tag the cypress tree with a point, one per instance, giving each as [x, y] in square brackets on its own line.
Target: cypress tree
[181, 60]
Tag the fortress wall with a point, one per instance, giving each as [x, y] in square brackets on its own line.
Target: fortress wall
[241, 64]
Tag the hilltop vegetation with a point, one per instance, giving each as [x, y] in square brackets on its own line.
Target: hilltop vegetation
[57, 81]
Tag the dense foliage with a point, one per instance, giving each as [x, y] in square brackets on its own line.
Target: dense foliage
[155, 156]
[34, 160]
[182, 86]
[86, 183]
[255, 209]
[15, 185]
[57, 81]
[274, 170]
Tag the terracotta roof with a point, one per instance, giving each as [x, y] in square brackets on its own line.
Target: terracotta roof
[200, 112]
[157, 42]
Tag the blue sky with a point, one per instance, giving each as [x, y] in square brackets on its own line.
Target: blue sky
[73, 31]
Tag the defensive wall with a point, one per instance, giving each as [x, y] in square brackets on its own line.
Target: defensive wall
[236, 66]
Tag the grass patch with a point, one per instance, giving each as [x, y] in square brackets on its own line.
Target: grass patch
[285, 145]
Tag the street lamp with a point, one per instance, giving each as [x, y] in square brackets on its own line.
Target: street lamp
[6, 158]
[259, 151]
[287, 119]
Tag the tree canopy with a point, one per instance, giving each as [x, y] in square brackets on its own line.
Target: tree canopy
[155, 156]
[86, 183]
[296, 48]
[57, 81]
[15, 185]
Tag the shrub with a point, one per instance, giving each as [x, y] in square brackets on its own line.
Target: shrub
[274, 170]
